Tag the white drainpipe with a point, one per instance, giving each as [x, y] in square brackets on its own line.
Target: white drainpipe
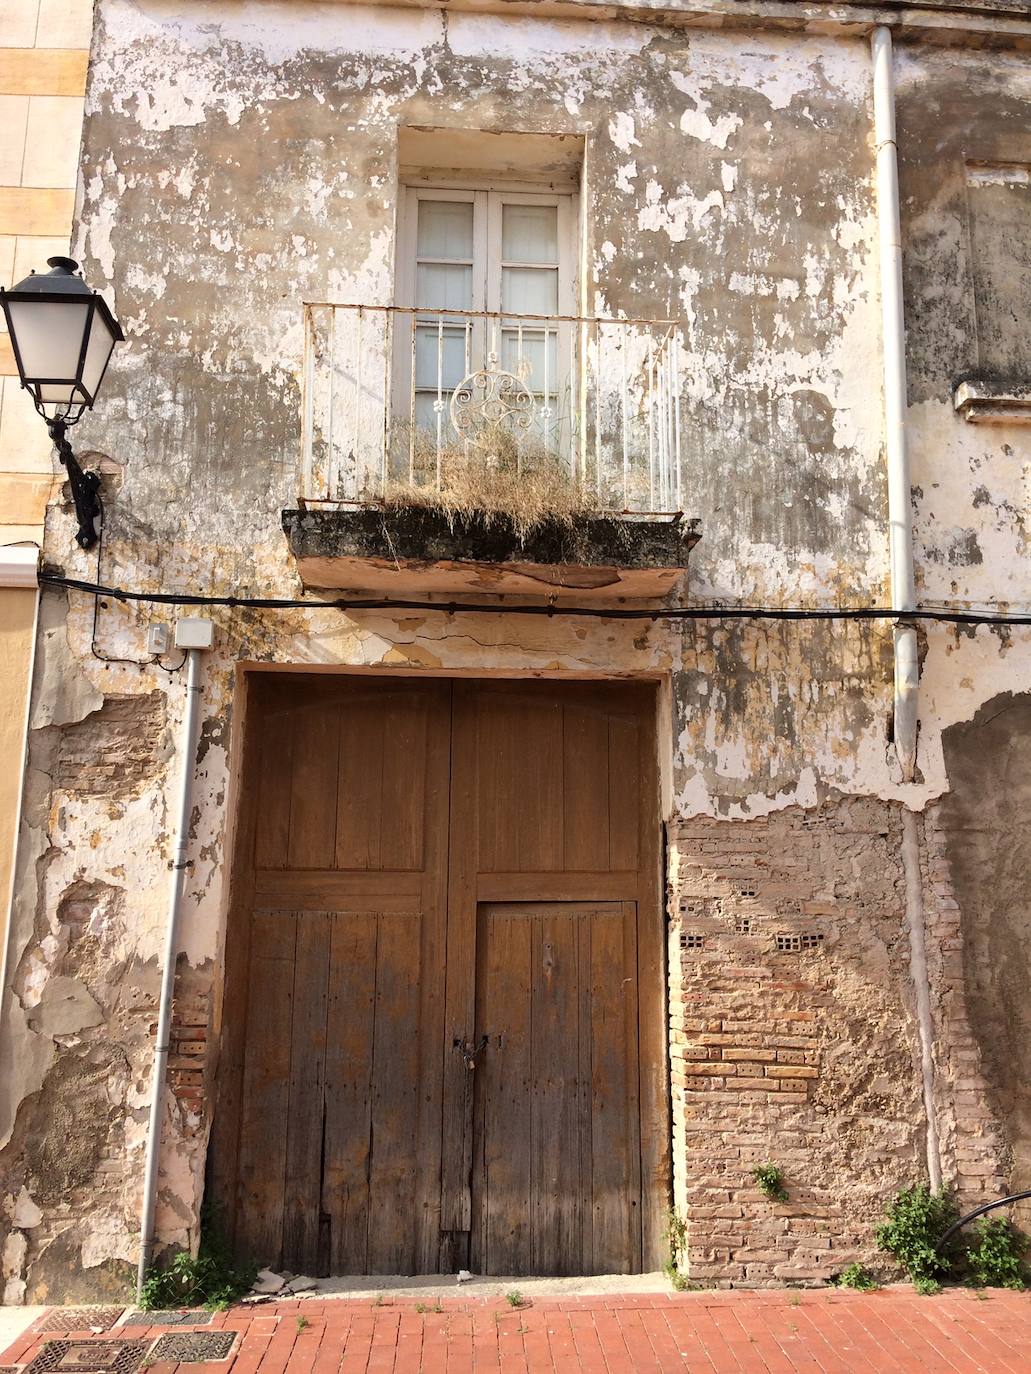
[900, 519]
[187, 750]
[900, 543]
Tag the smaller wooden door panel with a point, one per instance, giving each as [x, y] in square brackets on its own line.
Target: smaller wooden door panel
[556, 1179]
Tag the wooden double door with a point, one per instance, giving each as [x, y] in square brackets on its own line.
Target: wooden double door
[443, 1029]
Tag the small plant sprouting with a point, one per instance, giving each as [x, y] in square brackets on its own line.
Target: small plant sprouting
[213, 1280]
[770, 1180]
[676, 1238]
[302, 1324]
[995, 1255]
[515, 1298]
[856, 1276]
[915, 1220]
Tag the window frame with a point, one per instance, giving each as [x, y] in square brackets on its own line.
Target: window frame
[488, 199]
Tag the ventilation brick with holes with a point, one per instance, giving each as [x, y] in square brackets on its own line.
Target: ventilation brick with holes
[795, 943]
[691, 940]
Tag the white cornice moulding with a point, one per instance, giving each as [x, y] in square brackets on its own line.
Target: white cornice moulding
[978, 23]
[19, 564]
[982, 403]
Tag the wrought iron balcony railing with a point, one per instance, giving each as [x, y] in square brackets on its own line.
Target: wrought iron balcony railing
[400, 399]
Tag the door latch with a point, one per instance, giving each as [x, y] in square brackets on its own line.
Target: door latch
[470, 1052]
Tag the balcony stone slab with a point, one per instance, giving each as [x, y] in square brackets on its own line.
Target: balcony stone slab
[418, 551]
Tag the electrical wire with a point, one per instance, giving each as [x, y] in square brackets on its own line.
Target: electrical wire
[938, 615]
[108, 659]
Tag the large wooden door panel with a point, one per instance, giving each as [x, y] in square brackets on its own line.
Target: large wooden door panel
[421, 864]
[332, 1097]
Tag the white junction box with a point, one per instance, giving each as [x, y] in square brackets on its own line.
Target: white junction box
[194, 632]
[158, 638]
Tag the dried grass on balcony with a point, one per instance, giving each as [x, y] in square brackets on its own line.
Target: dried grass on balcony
[526, 487]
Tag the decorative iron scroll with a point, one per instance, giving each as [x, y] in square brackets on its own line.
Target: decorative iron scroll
[489, 404]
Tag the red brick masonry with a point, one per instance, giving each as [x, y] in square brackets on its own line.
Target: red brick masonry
[764, 1332]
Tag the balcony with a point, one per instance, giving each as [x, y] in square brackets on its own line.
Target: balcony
[460, 452]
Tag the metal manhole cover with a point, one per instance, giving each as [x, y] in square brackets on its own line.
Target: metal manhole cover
[89, 1357]
[168, 1317]
[80, 1318]
[190, 1346]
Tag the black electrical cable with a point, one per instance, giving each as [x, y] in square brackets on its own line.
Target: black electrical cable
[934, 614]
[108, 659]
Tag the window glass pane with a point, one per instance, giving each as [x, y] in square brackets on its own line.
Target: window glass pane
[529, 233]
[438, 286]
[529, 290]
[445, 229]
[426, 415]
[453, 357]
[526, 360]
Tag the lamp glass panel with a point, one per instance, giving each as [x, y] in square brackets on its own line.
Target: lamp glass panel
[49, 337]
[59, 394]
[98, 350]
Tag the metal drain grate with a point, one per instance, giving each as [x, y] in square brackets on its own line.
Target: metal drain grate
[165, 1317]
[187, 1347]
[80, 1318]
[9, 1369]
[89, 1357]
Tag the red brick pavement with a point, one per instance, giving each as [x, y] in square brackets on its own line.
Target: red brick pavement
[767, 1332]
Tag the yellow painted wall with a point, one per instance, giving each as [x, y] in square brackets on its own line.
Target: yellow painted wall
[17, 616]
[44, 51]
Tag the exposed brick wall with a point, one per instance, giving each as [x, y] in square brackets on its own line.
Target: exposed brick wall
[792, 1038]
[975, 1156]
[114, 750]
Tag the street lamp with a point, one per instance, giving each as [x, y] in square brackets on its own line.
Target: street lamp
[63, 335]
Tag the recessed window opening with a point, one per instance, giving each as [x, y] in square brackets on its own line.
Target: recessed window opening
[491, 276]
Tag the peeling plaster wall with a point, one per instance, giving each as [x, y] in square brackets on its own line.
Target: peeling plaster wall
[237, 164]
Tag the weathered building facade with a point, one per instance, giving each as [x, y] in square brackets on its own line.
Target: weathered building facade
[662, 879]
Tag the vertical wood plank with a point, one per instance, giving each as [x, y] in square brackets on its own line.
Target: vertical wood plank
[624, 793]
[614, 1122]
[519, 792]
[359, 789]
[307, 1093]
[554, 1032]
[656, 1165]
[261, 1171]
[403, 818]
[272, 822]
[585, 1090]
[586, 787]
[350, 1024]
[460, 976]
[395, 1093]
[436, 715]
[233, 995]
[504, 1231]
[313, 784]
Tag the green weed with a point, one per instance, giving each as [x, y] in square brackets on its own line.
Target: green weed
[915, 1219]
[995, 1255]
[770, 1180]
